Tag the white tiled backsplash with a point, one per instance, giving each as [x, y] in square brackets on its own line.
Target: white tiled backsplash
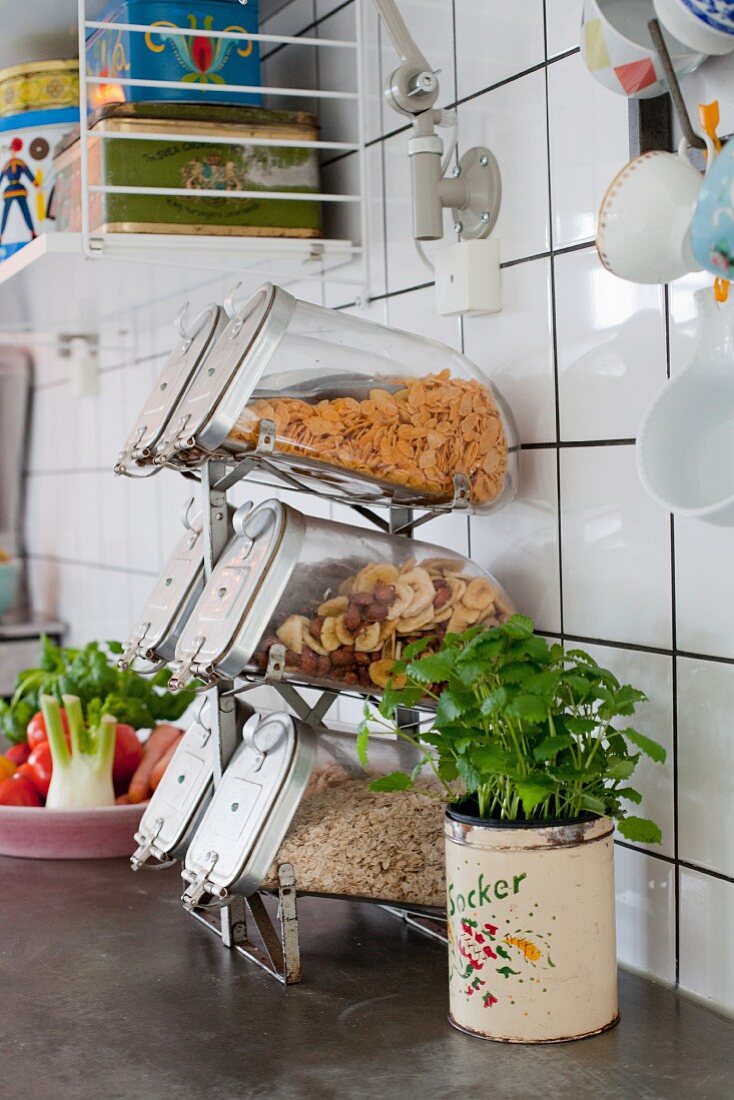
[578, 353]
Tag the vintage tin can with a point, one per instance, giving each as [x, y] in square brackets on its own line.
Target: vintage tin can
[27, 143]
[532, 949]
[39, 86]
[184, 163]
[200, 62]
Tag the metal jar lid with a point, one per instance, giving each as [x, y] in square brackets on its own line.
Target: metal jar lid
[188, 355]
[209, 409]
[252, 809]
[173, 598]
[241, 595]
[179, 801]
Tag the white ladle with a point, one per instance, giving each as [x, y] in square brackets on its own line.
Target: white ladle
[685, 446]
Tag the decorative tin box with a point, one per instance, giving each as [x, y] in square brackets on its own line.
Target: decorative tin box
[204, 64]
[27, 142]
[184, 163]
[39, 86]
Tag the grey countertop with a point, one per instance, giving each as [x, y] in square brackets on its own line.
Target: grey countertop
[108, 990]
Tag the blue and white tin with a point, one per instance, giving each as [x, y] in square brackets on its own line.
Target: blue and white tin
[201, 63]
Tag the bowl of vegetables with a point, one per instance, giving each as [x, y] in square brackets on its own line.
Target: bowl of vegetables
[9, 572]
[75, 781]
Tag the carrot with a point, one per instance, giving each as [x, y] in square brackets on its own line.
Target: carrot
[157, 774]
[160, 740]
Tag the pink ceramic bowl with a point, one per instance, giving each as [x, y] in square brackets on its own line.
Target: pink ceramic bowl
[36, 833]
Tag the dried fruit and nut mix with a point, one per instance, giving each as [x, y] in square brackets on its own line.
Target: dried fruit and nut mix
[353, 636]
[415, 433]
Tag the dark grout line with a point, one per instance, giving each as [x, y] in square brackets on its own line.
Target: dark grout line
[80, 564]
[304, 30]
[483, 91]
[672, 862]
[635, 647]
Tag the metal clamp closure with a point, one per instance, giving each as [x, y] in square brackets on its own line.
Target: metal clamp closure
[132, 648]
[175, 442]
[276, 662]
[199, 885]
[145, 846]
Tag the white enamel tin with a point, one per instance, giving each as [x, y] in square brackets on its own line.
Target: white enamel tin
[252, 809]
[173, 598]
[178, 802]
[189, 354]
[532, 948]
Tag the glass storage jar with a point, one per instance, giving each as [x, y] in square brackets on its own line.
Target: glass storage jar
[346, 840]
[326, 604]
[346, 408]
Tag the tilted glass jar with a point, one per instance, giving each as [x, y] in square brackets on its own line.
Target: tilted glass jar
[347, 408]
[326, 604]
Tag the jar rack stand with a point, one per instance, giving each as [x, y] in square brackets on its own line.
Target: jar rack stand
[278, 951]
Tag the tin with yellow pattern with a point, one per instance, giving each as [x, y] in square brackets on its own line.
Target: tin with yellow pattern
[39, 86]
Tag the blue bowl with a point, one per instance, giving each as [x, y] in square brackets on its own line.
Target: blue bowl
[9, 573]
[712, 227]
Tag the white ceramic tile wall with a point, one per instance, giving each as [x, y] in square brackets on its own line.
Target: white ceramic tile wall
[578, 353]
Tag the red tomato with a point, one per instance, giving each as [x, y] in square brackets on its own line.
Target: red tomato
[18, 792]
[41, 766]
[18, 753]
[128, 753]
[36, 729]
[24, 771]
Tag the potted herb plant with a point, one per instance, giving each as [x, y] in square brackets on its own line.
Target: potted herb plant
[530, 749]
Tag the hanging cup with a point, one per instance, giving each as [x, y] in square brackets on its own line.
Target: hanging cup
[645, 217]
[686, 440]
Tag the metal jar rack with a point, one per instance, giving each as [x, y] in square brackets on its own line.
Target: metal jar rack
[279, 953]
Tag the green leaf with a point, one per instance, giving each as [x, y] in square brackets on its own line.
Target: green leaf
[645, 744]
[532, 793]
[471, 778]
[452, 705]
[392, 698]
[640, 829]
[434, 669]
[629, 793]
[115, 647]
[495, 701]
[549, 747]
[395, 781]
[580, 726]
[447, 770]
[490, 758]
[621, 769]
[532, 708]
[363, 741]
[415, 648]
[593, 804]
[518, 626]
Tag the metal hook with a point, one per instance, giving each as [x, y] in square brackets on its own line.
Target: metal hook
[186, 516]
[188, 330]
[693, 139]
[228, 303]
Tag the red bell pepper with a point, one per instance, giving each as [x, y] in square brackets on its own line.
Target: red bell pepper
[18, 753]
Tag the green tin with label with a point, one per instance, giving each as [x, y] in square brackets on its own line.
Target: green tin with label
[183, 162]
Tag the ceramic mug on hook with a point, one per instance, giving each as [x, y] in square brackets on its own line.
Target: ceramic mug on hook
[645, 217]
[686, 439]
[712, 228]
